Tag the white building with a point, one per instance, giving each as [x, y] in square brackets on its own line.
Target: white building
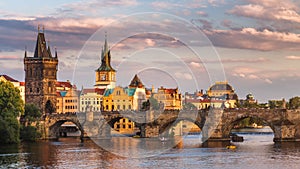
[91, 98]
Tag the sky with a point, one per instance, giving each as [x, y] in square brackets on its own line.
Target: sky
[189, 44]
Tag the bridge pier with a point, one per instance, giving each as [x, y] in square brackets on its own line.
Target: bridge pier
[148, 131]
[285, 133]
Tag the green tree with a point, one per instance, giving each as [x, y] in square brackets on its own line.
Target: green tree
[189, 106]
[11, 107]
[154, 103]
[294, 103]
[31, 114]
[31, 117]
[29, 133]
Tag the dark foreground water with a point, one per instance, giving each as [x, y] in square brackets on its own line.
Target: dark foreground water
[256, 152]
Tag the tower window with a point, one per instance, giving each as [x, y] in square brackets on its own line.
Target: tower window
[37, 90]
[103, 77]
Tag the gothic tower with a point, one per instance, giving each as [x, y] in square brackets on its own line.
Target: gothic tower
[40, 76]
[105, 74]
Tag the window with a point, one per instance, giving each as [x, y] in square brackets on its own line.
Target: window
[118, 107]
[103, 77]
[118, 92]
[129, 107]
[129, 126]
[124, 107]
[30, 90]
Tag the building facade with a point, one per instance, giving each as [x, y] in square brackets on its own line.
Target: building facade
[41, 76]
[91, 99]
[170, 98]
[118, 98]
[67, 98]
[139, 96]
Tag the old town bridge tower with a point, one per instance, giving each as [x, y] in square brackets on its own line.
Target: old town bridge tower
[105, 74]
[40, 76]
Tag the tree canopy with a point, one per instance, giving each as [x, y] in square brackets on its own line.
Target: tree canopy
[11, 107]
[294, 103]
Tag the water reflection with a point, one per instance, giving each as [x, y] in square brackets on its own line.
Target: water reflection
[257, 151]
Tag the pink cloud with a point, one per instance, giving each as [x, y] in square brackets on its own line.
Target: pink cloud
[71, 24]
[293, 57]
[284, 10]
[251, 38]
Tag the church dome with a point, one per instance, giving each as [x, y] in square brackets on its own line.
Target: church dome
[221, 86]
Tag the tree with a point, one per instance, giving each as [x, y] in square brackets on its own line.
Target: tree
[11, 107]
[154, 103]
[189, 106]
[31, 114]
[28, 130]
[294, 103]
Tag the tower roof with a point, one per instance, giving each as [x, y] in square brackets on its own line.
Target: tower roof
[221, 86]
[41, 50]
[136, 82]
[105, 58]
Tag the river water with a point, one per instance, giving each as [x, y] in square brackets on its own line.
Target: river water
[256, 152]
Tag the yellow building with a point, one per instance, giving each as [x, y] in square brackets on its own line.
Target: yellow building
[105, 74]
[124, 126]
[118, 99]
[67, 100]
[170, 98]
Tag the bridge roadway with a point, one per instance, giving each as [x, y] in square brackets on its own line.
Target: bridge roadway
[215, 124]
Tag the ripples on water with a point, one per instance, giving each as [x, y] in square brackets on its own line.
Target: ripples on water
[257, 152]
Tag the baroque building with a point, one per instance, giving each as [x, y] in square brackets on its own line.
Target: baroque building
[67, 98]
[91, 99]
[41, 76]
[105, 74]
[170, 98]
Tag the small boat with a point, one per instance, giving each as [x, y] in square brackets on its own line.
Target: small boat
[136, 136]
[232, 147]
[163, 139]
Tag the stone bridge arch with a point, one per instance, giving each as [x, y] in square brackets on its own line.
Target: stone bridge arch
[172, 122]
[268, 116]
[54, 122]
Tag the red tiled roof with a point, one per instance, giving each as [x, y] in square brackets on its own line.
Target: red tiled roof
[98, 91]
[170, 91]
[63, 84]
[8, 78]
[58, 94]
[22, 83]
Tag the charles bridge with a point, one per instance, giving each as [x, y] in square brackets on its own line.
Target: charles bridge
[215, 124]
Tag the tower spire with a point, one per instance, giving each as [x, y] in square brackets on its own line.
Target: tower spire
[55, 53]
[49, 51]
[25, 55]
[105, 44]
